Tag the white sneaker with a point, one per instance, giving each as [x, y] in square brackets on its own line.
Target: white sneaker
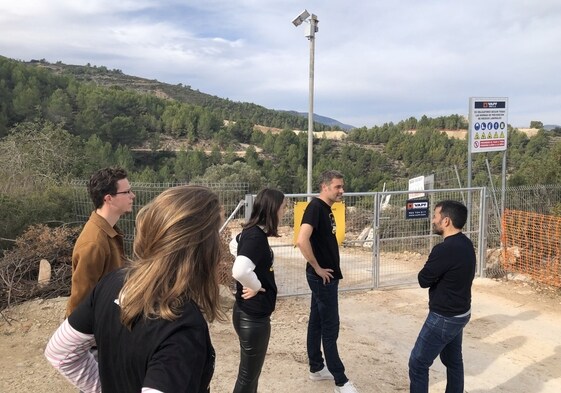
[321, 375]
[346, 388]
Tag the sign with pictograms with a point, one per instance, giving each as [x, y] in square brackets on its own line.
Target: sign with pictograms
[488, 124]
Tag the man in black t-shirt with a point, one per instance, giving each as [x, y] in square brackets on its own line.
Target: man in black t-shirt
[318, 244]
[448, 273]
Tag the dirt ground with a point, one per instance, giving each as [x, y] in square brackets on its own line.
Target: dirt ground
[511, 345]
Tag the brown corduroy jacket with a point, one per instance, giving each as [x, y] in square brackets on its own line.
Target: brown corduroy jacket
[98, 250]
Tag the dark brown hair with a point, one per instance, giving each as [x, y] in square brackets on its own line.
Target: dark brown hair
[456, 211]
[104, 182]
[266, 211]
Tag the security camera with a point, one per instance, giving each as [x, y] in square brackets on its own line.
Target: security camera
[300, 18]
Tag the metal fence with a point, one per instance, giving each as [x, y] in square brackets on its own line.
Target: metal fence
[381, 247]
[543, 199]
[229, 194]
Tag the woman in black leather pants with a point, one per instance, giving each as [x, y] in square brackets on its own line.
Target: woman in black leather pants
[256, 290]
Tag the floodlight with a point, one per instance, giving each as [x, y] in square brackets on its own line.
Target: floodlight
[300, 18]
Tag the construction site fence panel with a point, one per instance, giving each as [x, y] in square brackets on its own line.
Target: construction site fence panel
[380, 247]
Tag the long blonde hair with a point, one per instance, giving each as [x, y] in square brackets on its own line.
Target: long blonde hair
[177, 251]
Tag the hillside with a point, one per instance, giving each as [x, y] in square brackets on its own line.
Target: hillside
[325, 120]
[334, 135]
[102, 76]
[62, 122]
[461, 134]
[59, 123]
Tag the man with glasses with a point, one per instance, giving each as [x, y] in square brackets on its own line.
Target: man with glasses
[100, 248]
[318, 244]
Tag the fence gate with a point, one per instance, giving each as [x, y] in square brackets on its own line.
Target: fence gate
[381, 247]
[402, 244]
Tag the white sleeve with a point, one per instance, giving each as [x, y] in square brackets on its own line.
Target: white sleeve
[233, 246]
[243, 271]
[68, 352]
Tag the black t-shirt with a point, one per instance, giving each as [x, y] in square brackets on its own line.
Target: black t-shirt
[171, 356]
[449, 273]
[318, 214]
[253, 244]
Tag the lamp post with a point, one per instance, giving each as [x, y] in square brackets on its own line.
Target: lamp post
[310, 33]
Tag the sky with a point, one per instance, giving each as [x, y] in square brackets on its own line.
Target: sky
[374, 61]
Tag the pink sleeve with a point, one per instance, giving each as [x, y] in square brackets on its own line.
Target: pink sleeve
[68, 352]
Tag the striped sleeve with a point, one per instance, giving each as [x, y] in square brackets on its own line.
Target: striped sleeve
[68, 352]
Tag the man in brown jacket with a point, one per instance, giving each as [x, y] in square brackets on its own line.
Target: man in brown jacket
[100, 248]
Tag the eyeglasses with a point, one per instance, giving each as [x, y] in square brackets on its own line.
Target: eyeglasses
[333, 224]
[123, 192]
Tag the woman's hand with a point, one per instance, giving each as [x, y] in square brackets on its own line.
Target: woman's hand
[248, 293]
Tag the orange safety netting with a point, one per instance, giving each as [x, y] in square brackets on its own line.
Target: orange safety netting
[532, 245]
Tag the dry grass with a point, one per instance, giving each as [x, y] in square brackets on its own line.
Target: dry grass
[19, 268]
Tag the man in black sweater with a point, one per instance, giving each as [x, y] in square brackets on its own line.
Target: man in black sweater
[448, 273]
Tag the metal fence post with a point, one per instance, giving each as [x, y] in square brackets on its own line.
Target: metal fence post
[483, 207]
[248, 206]
[376, 241]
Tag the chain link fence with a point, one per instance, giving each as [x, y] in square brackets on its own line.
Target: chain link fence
[356, 259]
[543, 199]
[229, 194]
[506, 246]
[381, 247]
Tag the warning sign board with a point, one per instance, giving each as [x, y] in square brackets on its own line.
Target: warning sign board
[416, 208]
[488, 124]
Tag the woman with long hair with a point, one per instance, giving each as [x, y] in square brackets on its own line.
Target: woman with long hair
[256, 290]
[148, 319]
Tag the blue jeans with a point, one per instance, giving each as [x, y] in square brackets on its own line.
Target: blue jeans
[323, 328]
[439, 336]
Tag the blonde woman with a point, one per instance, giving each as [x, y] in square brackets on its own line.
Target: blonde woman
[148, 320]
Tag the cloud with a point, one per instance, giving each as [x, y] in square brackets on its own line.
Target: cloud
[374, 61]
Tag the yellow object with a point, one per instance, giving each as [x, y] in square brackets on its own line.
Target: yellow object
[338, 209]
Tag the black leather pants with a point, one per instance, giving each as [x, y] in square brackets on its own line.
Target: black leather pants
[254, 336]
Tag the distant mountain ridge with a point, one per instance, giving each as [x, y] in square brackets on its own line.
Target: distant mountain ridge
[325, 120]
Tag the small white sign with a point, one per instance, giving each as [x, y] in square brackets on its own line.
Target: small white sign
[417, 184]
